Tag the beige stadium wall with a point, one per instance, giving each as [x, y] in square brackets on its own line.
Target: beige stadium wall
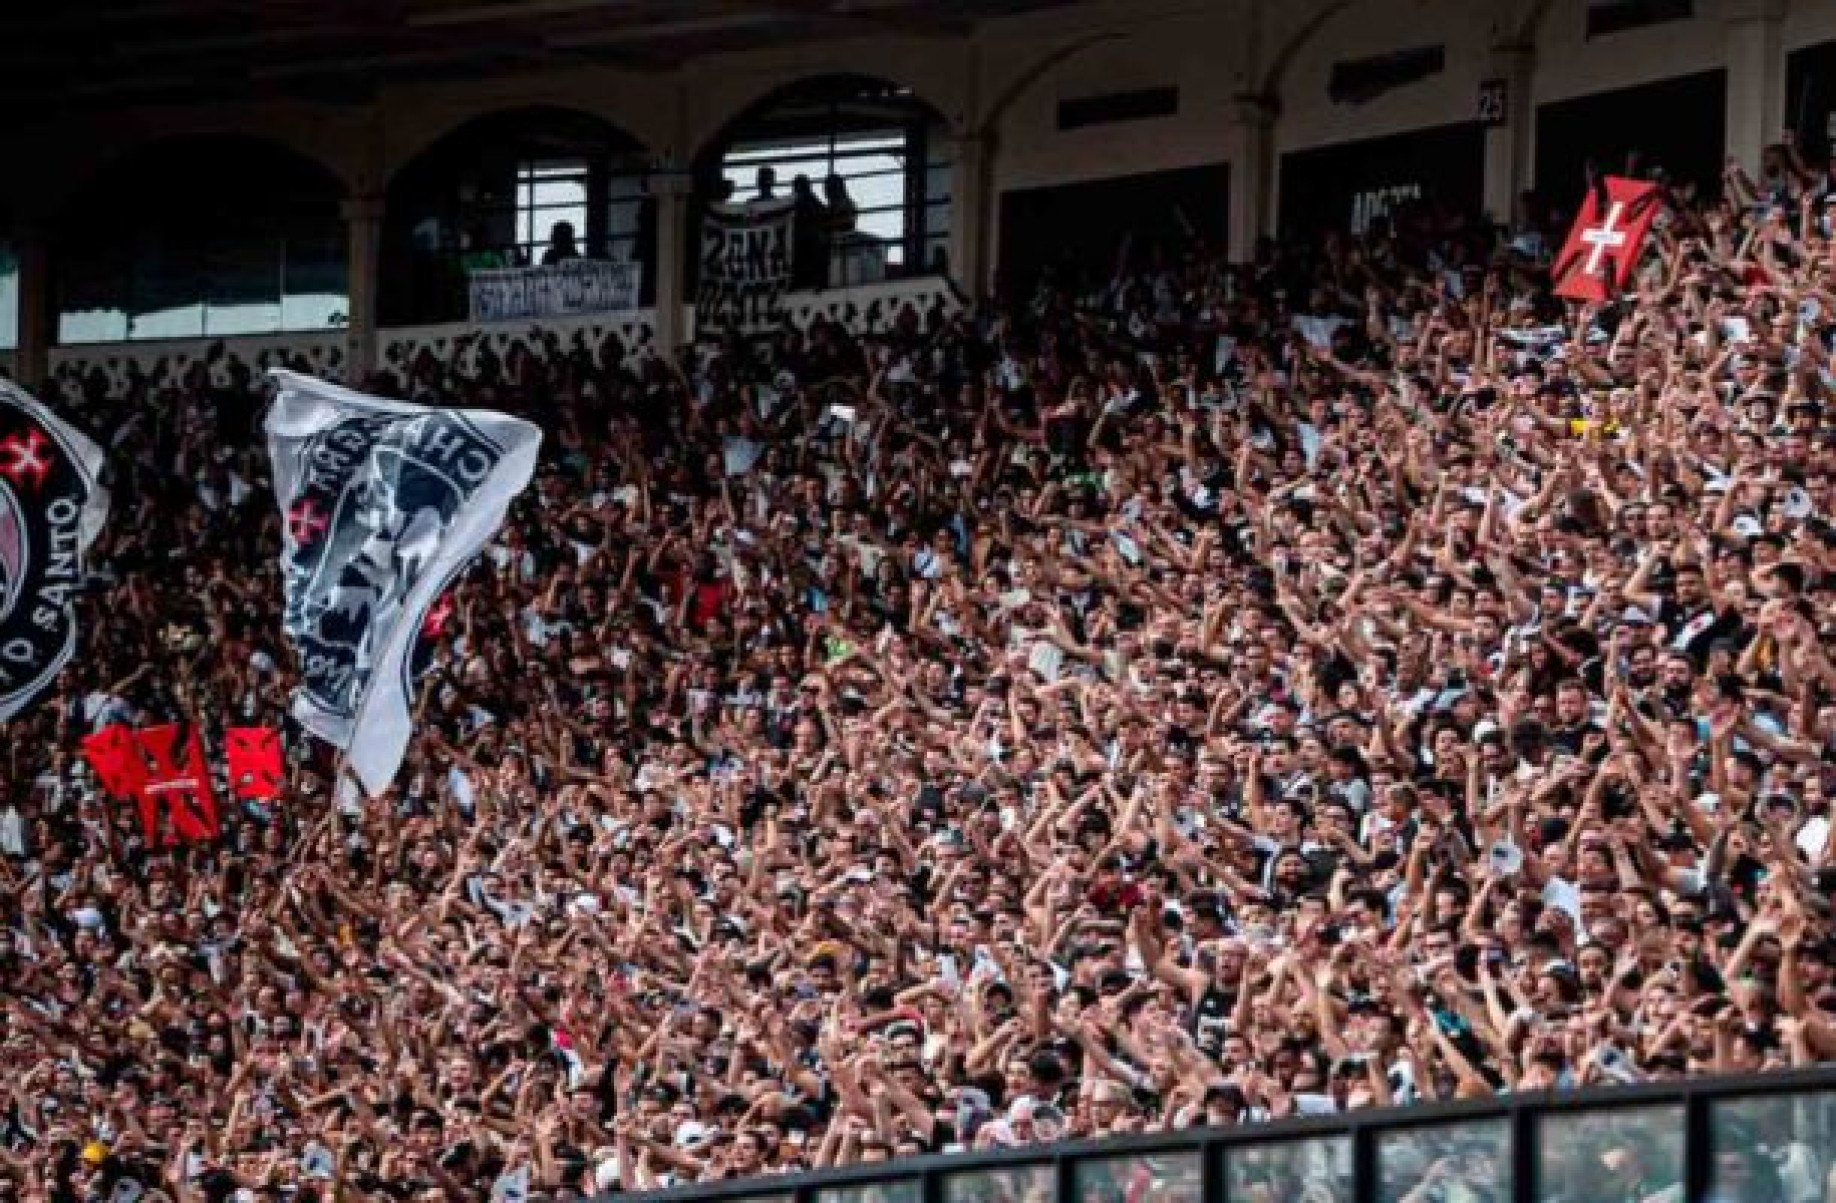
[408, 120]
[1309, 118]
[1196, 48]
[1568, 64]
[1210, 49]
[1251, 76]
[1809, 22]
[936, 70]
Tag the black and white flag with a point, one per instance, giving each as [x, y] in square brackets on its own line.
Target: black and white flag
[746, 262]
[51, 509]
[383, 503]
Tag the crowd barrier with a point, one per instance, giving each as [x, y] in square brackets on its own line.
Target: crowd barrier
[1760, 1139]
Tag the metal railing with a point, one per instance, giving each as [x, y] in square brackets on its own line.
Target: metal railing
[1767, 1138]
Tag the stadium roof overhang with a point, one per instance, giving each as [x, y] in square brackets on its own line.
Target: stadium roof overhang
[78, 53]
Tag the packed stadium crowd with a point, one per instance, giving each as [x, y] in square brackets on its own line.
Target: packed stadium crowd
[1192, 696]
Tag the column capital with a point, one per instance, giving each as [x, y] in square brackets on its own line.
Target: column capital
[971, 141]
[364, 207]
[666, 180]
[1255, 108]
[1511, 53]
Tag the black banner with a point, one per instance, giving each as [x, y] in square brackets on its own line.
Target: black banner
[746, 254]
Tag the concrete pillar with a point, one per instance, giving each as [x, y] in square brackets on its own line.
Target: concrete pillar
[972, 213]
[1508, 164]
[673, 189]
[1252, 174]
[363, 216]
[1756, 76]
[37, 312]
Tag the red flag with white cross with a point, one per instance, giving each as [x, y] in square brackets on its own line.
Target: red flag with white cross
[253, 757]
[115, 758]
[1602, 250]
[177, 801]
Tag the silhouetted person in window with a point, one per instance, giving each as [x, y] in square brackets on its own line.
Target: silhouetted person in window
[809, 237]
[561, 244]
[767, 181]
[845, 241]
[844, 214]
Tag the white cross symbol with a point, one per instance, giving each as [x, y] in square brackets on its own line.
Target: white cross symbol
[1604, 237]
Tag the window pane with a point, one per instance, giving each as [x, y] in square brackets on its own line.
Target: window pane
[866, 151]
[207, 245]
[559, 192]
[242, 283]
[1294, 1171]
[180, 321]
[547, 195]
[313, 290]
[1465, 1161]
[1164, 1177]
[1608, 1156]
[9, 298]
[1020, 1184]
[1777, 1147]
[889, 1192]
[92, 326]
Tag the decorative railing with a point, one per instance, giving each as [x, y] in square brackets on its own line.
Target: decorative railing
[173, 361]
[463, 343]
[1759, 1139]
[866, 306]
[863, 307]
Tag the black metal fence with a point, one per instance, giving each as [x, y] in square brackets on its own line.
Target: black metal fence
[1760, 1139]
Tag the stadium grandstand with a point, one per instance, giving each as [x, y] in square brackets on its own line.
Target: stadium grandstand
[918, 601]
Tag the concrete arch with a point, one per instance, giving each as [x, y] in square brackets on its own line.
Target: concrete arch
[1523, 32]
[1272, 78]
[983, 124]
[762, 99]
[711, 112]
[74, 160]
[428, 138]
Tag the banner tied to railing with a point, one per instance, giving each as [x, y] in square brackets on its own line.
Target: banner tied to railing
[573, 286]
[745, 263]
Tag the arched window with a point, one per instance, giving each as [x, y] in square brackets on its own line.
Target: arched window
[197, 237]
[494, 193]
[868, 162]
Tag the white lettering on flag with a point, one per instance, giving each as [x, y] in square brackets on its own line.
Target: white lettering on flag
[382, 503]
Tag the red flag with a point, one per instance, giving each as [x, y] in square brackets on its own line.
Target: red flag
[254, 758]
[116, 760]
[435, 624]
[177, 783]
[1602, 250]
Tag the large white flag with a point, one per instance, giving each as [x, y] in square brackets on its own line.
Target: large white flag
[51, 509]
[383, 503]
